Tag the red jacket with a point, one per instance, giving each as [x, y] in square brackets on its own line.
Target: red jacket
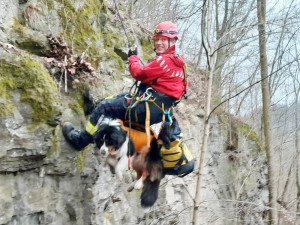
[164, 73]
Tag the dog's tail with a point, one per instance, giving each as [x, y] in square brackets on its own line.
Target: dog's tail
[150, 192]
[151, 184]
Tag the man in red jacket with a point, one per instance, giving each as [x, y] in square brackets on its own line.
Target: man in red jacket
[163, 83]
[164, 73]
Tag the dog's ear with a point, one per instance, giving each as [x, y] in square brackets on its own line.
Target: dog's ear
[98, 138]
[116, 138]
[164, 135]
[99, 134]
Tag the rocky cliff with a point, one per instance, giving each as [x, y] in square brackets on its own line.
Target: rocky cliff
[56, 57]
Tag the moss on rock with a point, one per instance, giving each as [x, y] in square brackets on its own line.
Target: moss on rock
[86, 27]
[81, 158]
[55, 149]
[246, 130]
[77, 105]
[50, 4]
[30, 40]
[112, 40]
[30, 78]
[147, 48]
[237, 128]
[82, 26]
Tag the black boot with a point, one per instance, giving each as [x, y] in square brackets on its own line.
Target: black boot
[79, 139]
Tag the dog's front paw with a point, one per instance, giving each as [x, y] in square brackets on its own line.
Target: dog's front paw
[139, 184]
[131, 186]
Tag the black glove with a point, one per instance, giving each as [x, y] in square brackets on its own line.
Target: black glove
[132, 51]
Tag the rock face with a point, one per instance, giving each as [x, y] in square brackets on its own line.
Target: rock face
[44, 181]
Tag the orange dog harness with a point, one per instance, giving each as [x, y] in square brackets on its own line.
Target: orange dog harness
[137, 134]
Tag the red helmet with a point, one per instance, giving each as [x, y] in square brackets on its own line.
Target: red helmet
[166, 29]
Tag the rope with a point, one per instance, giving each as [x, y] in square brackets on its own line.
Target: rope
[129, 108]
[164, 115]
[129, 44]
[121, 20]
[147, 123]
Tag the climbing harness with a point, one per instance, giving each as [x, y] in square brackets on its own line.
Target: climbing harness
[146, 96]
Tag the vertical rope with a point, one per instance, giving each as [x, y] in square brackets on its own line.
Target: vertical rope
[122, 23]
[147, 123]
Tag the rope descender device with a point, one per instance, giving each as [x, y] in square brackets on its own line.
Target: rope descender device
[144, 97]
[147, 94]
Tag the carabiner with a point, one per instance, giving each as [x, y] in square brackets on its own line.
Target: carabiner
[147, 94]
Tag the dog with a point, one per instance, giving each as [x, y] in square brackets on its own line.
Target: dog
[114, 145]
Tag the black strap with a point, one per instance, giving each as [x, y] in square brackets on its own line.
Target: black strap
[158, 31]
[185, 80]
[135, 86]
[178, 164]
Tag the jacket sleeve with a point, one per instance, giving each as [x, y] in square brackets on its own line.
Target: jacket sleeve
[146, 73]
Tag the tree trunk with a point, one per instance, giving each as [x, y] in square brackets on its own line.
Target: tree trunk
[297, 154]
[196, 219]
[261, 14]
[211, 59]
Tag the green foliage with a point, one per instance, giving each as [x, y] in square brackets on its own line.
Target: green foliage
[36, 87]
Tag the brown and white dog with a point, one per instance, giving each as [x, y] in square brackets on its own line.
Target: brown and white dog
[117, 147]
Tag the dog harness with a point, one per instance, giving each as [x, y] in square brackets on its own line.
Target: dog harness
[137, 133]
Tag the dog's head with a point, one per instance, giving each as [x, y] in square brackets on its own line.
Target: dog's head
[110, 137]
